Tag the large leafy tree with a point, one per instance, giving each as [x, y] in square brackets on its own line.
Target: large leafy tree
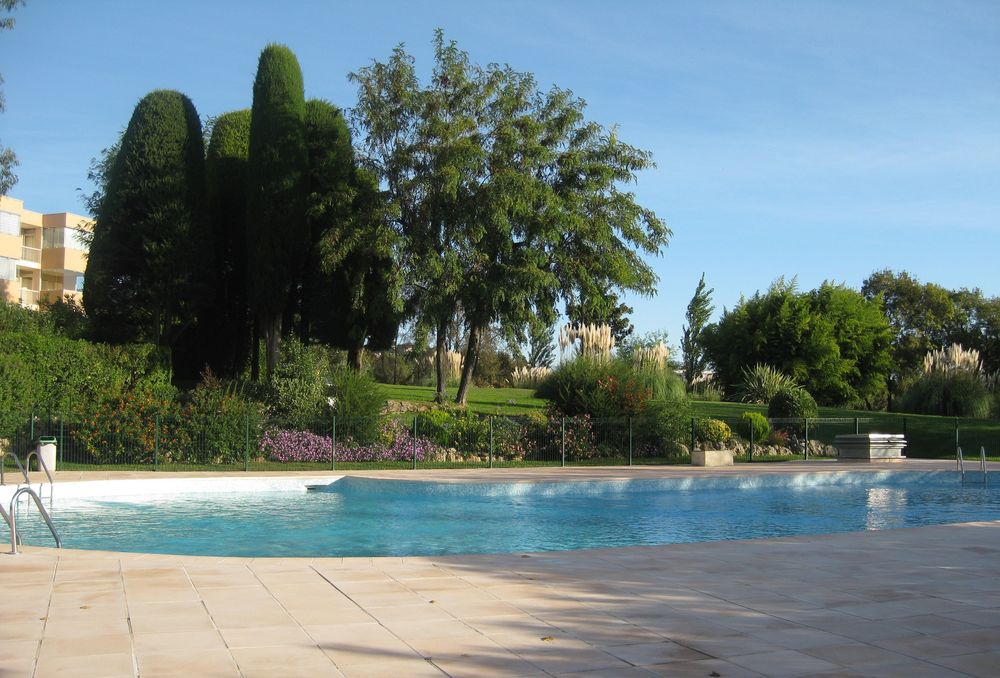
[699, 310]
[277, 230]
[228, 325]
[831, 340]
[927, 316]
[147, 270]
[508, 199]
[8, 159]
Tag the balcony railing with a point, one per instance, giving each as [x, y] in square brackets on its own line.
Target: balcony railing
[33, 254]
[29, 297]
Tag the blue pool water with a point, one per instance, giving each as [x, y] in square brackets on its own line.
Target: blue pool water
[364, 517]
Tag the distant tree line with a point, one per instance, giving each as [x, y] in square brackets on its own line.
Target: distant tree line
[865, 349]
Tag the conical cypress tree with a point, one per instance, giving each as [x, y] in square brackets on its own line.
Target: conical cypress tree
[226, 331]
[148, 264]
[277, 232]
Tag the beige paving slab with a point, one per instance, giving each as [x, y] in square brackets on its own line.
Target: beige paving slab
[280, 660]
[909, 602]
[187, 663]
[89, 666]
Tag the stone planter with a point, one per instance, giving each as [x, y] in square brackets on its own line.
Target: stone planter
[870, 447]
[712, 458]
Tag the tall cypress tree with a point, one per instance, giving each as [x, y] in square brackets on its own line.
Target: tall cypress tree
[277, 232]
[147, 271]
[227, 329]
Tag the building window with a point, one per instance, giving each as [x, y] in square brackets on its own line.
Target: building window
[79, 282]
[10, 223]
[8, 268]
[69, 238]
[52, 237]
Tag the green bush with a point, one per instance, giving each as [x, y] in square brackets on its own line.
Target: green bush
[221, 424]
[792, 403]
[606, 389]
[761, 428]
[296, 394]
[665, 426]
[712, 433]
[955, 394]
[356, 397]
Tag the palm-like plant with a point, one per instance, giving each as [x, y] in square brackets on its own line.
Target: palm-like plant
[761, 382]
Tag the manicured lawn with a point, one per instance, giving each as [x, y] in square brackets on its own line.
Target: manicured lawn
[487, 400]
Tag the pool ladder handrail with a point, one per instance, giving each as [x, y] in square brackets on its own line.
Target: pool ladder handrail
[44, 467]
[17, 461]
[10, 523]
[960, 460]
[11, 518]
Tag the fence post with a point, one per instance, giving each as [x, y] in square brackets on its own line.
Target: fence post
[904, 427]
[857, 426]
[956, 433]
[62, 440]
[31, 440]
[562, 444]
[333, 445]
[156, 442]
[692, 435]
[750, 454]
[805, 448]
[630, 441]
[246, 443]
[415, 418]
[491, 441]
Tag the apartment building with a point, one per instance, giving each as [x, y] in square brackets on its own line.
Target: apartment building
[42, 256]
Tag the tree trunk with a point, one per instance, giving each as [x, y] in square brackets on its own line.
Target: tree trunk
[469, 364]
[255, 352]
[354, 357]
[272, 334]
[439, 348]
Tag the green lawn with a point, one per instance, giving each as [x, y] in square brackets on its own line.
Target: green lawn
[486, 400]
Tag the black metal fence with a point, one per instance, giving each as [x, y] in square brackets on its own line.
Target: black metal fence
[446, 440]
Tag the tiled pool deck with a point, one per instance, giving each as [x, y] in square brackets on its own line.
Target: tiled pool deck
[912, 602]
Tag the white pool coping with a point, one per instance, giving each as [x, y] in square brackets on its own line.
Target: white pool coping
[145, 487]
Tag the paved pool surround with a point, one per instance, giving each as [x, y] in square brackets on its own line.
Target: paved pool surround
[909, 602]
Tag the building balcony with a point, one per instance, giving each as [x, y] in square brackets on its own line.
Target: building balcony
[32, 254]
[29, 298]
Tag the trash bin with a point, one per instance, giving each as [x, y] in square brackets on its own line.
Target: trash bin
[46, 450]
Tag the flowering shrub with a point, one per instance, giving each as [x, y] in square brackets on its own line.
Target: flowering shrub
[290, 445]
[395, 443]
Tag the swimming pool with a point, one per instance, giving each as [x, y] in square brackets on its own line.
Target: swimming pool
[353, 516]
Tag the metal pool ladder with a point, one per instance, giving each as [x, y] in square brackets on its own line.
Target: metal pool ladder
[11, 518]
[23, 468]
[960, 460]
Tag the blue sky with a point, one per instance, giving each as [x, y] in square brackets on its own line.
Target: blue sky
[822, 140]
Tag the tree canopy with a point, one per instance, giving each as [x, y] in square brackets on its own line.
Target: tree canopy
[506, 197]
[832, 341]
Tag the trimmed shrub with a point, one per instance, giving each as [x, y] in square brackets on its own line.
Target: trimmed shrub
[792, 403]
[761, 427]
[713, 434]
[354, 396]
